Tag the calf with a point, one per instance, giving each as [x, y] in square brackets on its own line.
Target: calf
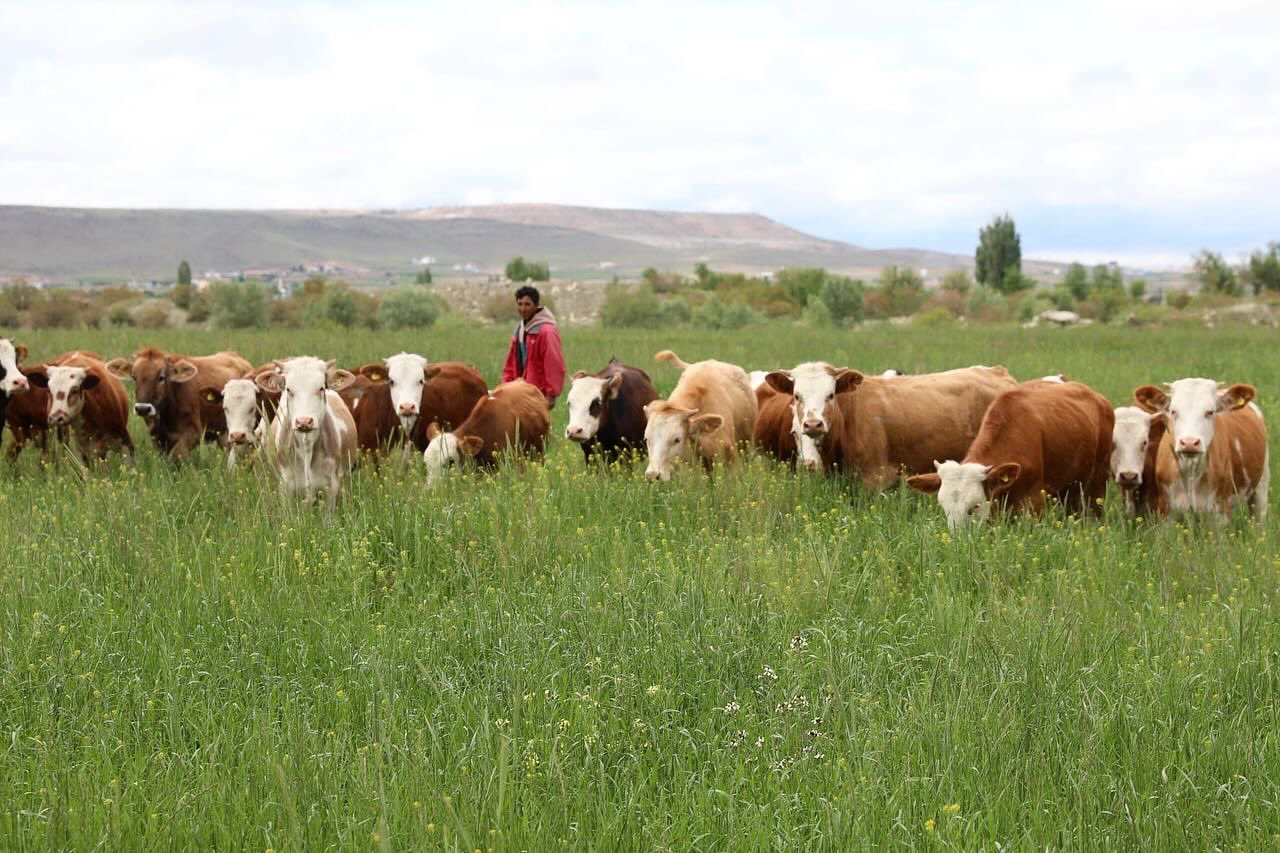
[1035, 442]
[873, 428]
[88, 402]
[1134, 445]
[168, 395]
[606, 410]
[406, 394]
[710, 411]
[313, 436]
[1214, 454]
[513, 415]
[247, 410]
[773, 433]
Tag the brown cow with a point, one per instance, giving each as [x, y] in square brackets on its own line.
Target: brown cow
[1214, 455]
[406, 394]
[514, 414]
[873, 428]
[169, 395]
[708, 414]
[1046, 440]
[774, 433]
[87, 400]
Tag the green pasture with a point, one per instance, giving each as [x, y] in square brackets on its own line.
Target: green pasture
[571, 657]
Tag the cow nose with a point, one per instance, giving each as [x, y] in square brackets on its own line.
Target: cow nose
[809, 465]
[573, 433]
[237, 438]
[58, 418]
[144, 410]
[408, 408]
[812, 426]
[1189, 444]
[304, 424]
[1127, 478]
[20, 384]
[652, 475]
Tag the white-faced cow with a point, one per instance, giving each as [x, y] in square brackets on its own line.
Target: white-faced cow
[1041, 440]
[606, 410]
[873, 428]
[711, 411]
[405, 394]
[87, 402]
[1135, 443]
[12, 380]
[1214, 454]
[168, 395]
[513, 416]
[313, 436]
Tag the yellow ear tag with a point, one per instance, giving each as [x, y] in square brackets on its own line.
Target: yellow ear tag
[210, 396]
[1238, 403]
[376, 377]
[1004, 478]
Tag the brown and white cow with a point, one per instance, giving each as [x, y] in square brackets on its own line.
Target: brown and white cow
[513, 416]
[86, 401]
[406, 393]
[313, 436]
[248, 410]
[774, 432]
[12, 380]
[1214, 454]
[169, 395]
[872, 428]
[606, 410]
[711, 411]
[1135, 443]
[1041, 440]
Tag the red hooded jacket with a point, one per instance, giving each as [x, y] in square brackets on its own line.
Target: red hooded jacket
[543, 357]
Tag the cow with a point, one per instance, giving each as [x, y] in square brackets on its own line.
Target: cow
[1134, 445]
[168, 395]
[606, 410]
[12, 380]
[875, 427]
[1050, 441]
[1213, 455]
[774, 431]
[710, 412]
[513, 416]
[312, 439]
[247, 409]
[86, 401]
[405, 394]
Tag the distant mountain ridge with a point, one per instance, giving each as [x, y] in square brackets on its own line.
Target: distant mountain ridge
[79, 244]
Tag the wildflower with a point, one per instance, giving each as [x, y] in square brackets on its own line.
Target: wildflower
[732, 708]
[767, 674]
[654, 689]
[738, 739]
[929, 825]
[951, 809]
[799, 643]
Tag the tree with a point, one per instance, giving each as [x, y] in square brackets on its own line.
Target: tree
[903, 289]
[1137, 289]
[1214, 274]
[1263, 270]
[239, 306]
[520, 270]
[1106, 277]
[407, 308]
[702, 272]
[423, 276]
[181, 294]
[844, 299]
[1076, 281]
[801, 283]
[999, 250]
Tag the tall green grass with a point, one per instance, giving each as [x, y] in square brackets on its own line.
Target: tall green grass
[569, 656]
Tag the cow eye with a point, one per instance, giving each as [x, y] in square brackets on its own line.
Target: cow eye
[831, 396]
[160, 378]
[1209, 413]
[677, 441]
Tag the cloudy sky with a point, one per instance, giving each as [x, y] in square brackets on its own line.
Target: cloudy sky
[1139, 131]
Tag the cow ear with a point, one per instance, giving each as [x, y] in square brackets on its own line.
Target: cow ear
[1235, 397]
[1150, 399]
[927, 483]
[780, 380]
[90, 381]
[431, 371]
[212, 395]
[340, 379]
[847, 380]
[611, 387]
[183, 371]
[38, 378]
[120, 368]
[471, 444]
[19, 353]
[271, 382]
[433, 430]
[1000, 478]
[1158, 427]
[578, 374]
[705, 423]
[374, 372]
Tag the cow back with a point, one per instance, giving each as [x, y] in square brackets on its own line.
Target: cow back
[513, 413]
[622, 421]
[717, 388]
[447, 399]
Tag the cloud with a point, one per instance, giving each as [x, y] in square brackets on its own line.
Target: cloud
[882, 126]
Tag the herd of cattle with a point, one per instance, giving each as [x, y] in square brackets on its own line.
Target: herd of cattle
[1198, 447]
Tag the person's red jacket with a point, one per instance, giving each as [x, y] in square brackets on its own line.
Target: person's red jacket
[544, 359]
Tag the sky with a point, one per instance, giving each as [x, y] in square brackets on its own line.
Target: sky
[1131, 131]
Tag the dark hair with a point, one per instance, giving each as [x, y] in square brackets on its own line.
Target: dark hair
[531, 292]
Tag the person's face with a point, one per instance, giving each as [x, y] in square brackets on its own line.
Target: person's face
[527, 307]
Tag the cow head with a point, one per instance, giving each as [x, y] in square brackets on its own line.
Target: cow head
[1191, 406]
[966, 489]
[588, 398]
[303, 383]
[669, 433]
[154, 374]
[445, 451]
[239, 402]
[1134, 432]
[814, 385]
[12, 380]
[405, 374]
[67, 387]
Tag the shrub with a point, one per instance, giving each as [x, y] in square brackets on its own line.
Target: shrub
[957, 280]
[986, 305]
[1064, 298]
[801, 283]
[154, 314]
[675, 312]
[1177, 299]
[519, 270]
[816, 313]
[119, 315]
[408, 308]
[201, 307]
[717, 315]
[286, 313]
[953, 300]
[934, 318]
[1032, 304]
[638, 308]
[844, 298]
[238, 306]
[57, 310]
[338, 307]
[903, 289]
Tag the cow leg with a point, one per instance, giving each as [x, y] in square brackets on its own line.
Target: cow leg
[1259, 502]
[182, 448]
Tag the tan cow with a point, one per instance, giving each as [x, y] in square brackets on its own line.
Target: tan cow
[711, 411]
[1214, 454]
[874, 427]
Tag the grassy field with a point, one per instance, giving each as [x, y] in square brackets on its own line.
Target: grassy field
[575, 658]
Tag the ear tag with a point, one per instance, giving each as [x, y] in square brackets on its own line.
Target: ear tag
[210, 396]
[1238, 403]
[376, 377]
[1004, 478]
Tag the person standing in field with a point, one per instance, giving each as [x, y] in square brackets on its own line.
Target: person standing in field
[535, 354]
